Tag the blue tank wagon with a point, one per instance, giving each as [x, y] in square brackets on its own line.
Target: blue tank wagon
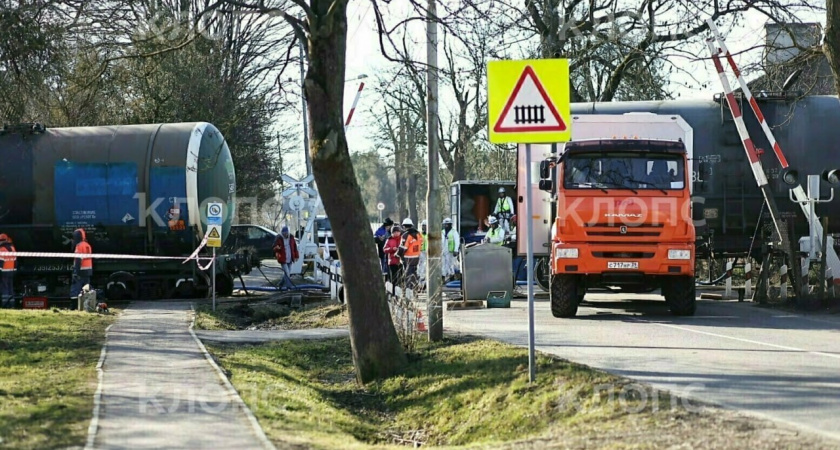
[135, 189]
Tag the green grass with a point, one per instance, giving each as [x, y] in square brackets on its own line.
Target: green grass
[48, 376]
[455, 393]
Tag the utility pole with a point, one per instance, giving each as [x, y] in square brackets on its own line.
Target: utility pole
[303, 105]
[433, 272]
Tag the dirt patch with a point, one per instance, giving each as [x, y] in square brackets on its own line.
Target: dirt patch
[269, 315]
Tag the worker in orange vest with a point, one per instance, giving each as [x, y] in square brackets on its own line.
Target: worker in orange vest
[409, 251]
[7, 277]
[82, 267]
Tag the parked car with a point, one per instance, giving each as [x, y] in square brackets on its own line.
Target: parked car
[247, 235]
[323, 229]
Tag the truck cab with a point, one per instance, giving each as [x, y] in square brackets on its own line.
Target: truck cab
[623, 219]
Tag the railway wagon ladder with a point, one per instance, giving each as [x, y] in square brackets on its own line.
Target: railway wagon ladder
[782, 237]
[832, 260]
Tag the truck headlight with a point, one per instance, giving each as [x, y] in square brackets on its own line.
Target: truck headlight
[565, 253]
[679, 254]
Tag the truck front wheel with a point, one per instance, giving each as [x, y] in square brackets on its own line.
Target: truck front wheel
[564, 295]
[680, 295]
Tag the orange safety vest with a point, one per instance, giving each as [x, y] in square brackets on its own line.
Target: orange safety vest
[84, 247]
[8, 260]
[412, 244]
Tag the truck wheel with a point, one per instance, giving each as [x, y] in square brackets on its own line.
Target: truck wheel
[680, 295]
[564, 295]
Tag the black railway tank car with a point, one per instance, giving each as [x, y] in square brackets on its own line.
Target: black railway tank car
[728, 199]
[135, 189]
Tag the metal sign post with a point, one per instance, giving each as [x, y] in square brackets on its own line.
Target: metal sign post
[213, 271]
[529, 230]
[528, 102]
[215, 218]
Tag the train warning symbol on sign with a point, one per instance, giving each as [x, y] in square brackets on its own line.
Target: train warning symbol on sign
[528, 101]
[529, 108]
[214, 236]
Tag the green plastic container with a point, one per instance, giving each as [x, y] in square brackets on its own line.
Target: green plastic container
[498, 299]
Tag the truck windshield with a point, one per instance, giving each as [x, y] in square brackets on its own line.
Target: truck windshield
[624, 170]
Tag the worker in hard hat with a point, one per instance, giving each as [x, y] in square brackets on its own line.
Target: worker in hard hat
[451, 245]
[7, 277]
[409, 252]
[424, 253]
[496, 234]
[503, 209]
[82, 266]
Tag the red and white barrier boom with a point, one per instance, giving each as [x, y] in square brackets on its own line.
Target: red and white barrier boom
[355, 102]
[832, 260]
[749, 148]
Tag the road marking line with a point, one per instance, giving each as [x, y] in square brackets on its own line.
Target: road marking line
[93, 428]
[232, 392]
[749, 341]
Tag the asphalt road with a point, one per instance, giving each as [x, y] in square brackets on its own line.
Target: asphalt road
[775, 364]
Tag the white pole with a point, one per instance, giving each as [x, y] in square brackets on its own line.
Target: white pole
[728, 290]
[532, 363]
[213, 274]
[748, 280]
[433, 272]
[783, 272]
[306, 157]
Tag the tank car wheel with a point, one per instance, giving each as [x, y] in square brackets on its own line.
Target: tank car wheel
[564, 295]
[224, 285]
[120, 286]
[680, 294]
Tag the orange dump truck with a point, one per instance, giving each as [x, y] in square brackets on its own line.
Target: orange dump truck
[622, 219]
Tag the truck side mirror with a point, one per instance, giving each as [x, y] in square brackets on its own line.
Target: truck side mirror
[546, 185]
[545, 169]
[705, 170]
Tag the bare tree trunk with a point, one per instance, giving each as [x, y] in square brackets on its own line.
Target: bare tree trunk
[402, 170]
[459, 164]
[832, 39]
[412, 199]
[376, 349]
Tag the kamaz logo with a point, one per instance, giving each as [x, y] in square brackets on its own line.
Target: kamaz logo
[623, 215]
[622, 229]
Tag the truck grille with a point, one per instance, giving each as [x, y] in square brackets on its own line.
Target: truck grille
[634, 255]
[615, 230]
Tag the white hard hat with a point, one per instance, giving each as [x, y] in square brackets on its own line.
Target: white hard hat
[407, 222]
[493, 220]
[447, 221]
[423, 223]
[501, 190]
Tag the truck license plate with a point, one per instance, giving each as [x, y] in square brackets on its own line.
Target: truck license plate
[622, 265]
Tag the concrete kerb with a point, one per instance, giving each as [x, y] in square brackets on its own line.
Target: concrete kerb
[231, 390]
[97, 396]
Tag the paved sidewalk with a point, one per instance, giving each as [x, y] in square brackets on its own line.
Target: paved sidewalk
[160, 391]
